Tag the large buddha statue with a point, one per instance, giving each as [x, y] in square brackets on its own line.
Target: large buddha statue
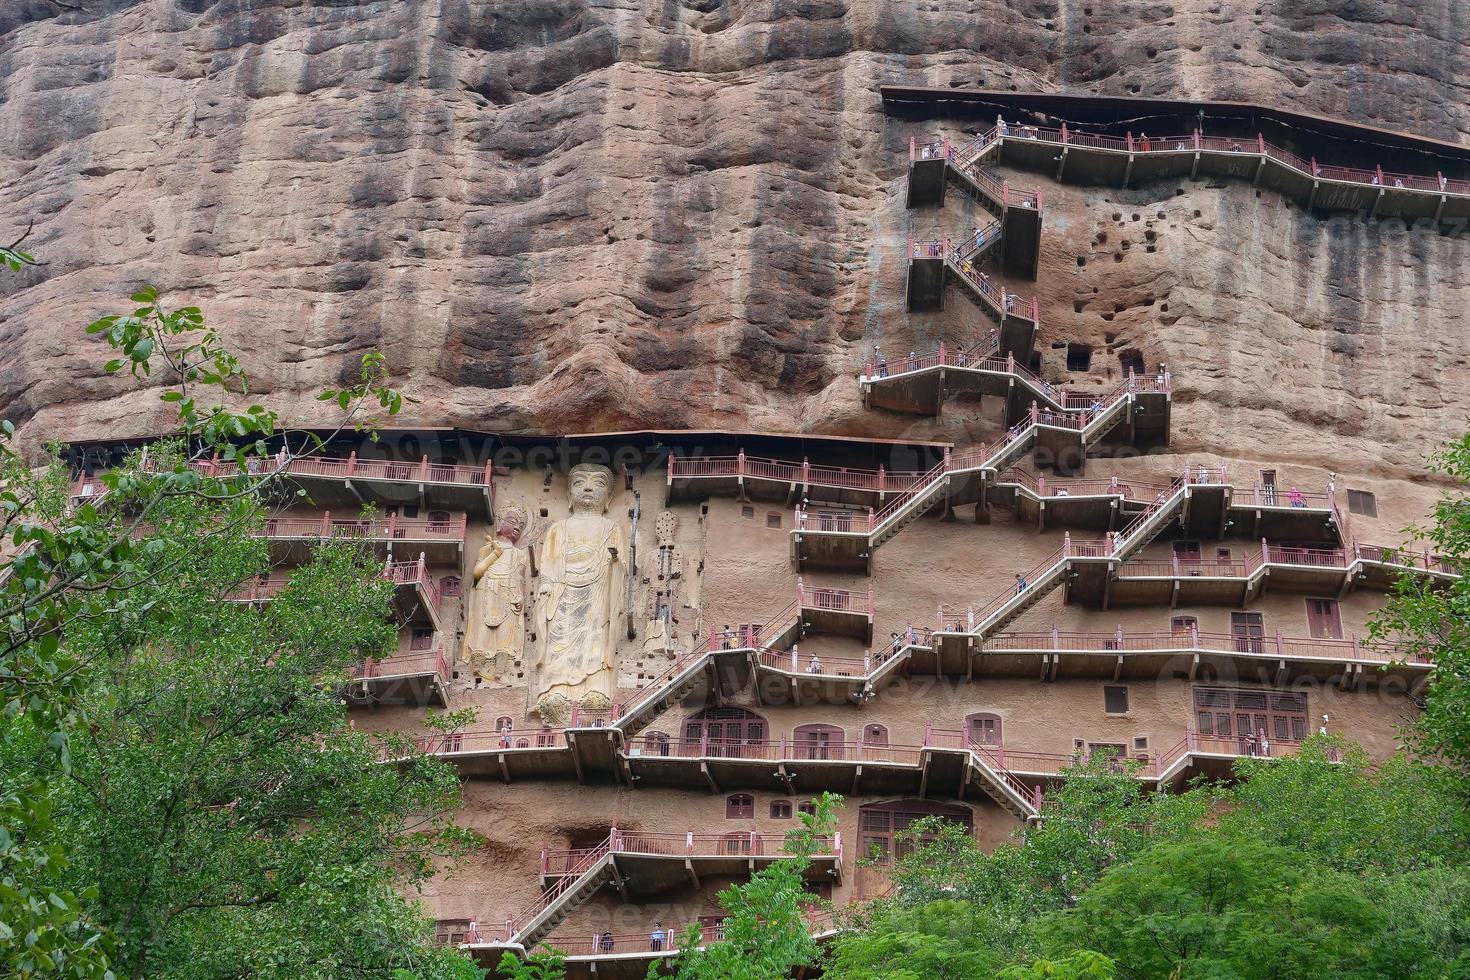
[495, 635]
[579, 602]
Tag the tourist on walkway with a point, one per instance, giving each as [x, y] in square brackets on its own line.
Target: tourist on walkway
[1296, 498]
[1020, 583]
[1143, 142]
[815, 667]
[656, 938]
[605, 943]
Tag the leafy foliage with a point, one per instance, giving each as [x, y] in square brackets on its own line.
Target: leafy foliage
[180, 793]
[1434, 617]
[766, 931]
[1321, 865]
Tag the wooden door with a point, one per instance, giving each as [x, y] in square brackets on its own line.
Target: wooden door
[1324, 619]
[1249, 631]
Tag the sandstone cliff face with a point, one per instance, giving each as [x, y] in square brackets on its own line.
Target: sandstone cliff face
[569, 215]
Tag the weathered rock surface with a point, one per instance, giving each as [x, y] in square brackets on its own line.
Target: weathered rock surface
[571, 215]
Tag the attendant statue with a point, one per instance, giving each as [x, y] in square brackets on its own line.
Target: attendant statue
[495, 637]
[580, 601]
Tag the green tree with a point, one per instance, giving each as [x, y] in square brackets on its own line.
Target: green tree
[767, 932]
[1212, 907]
[943, 939]
[222, 814]
[1333, 803]
[1085, 965]
[1098, 816]
[1434, 617]
[66, 569]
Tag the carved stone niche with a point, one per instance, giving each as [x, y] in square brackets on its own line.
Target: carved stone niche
[579, 601]
[495, 627]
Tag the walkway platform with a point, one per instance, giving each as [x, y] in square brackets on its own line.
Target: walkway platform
[350, 482]
[1017, 209]
[415, 678]
[293, 539]
[1273, 660]
[934, 266]
[1127, 160]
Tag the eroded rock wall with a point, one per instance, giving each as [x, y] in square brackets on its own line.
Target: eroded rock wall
[566, 215]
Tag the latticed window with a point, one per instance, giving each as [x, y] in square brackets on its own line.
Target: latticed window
[882, 826]
[451, 586]
[780, 809]
[1278, 715]
[452, 932]
[739, 806]
[727, 729]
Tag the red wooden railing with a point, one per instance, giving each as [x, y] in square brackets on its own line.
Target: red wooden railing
[964, 157]
[1121, 641]
[567, 867]
[836, 600]
[389, 528]
[414, 662]
[351, 467]
[413, 573]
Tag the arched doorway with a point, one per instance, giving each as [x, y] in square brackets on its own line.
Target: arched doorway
[881, 835]
[881, 825]
[818, 742]
[725, 732]
[983, 728]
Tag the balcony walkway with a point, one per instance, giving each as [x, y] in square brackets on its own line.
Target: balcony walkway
[847, 542]
[625, 956]
[416, 596]
[1017, 230]
[934, 266]
[638, 863]
[416, 678]
[1069, 155]
[339, 480]
[292, 539]
[921, 384]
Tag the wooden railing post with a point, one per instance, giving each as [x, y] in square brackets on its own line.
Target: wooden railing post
[392, 523]
[352, 463]
[424, 469]
[1280, 646]
[1064, 133]
[1196, 138]
[326, 523]
[1265, 552]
